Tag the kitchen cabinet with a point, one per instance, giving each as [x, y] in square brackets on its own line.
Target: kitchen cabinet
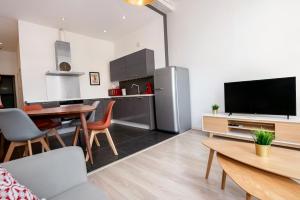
[138, 110]
[117, 69]
[136, 65]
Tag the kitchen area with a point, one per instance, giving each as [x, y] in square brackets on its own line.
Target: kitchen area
[126, 65]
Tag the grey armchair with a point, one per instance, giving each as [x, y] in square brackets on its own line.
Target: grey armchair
[56, 175]
[20, 130]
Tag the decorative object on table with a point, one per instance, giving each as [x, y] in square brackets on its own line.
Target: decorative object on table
[149, 88]
[215, 108]
[263, 140]
[94, 78]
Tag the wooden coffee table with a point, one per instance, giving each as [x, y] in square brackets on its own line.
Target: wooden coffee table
[258, 183]
[281, 161]
[252, 173]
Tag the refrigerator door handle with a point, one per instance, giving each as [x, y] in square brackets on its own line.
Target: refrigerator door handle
[158, 89]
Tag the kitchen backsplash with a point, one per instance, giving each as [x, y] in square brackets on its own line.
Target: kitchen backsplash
[141, 82]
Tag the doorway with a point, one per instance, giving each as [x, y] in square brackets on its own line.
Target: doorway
[8, 91]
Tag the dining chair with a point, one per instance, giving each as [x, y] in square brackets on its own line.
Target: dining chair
[20, 130]
[102, 127]
[90, 118]
[45, 124]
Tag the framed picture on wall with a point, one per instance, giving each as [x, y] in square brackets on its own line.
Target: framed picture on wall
[94, 78]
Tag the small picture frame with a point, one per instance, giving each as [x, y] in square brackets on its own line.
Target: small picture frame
[94, 78]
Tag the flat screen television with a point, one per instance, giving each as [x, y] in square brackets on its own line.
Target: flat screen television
[269, 96]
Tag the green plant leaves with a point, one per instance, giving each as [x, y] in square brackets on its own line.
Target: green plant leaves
[263, 137]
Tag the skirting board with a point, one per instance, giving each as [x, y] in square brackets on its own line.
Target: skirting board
[143, 126]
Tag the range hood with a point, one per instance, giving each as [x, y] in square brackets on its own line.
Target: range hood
[63, 60]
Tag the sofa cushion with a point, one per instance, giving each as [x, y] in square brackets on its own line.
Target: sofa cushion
[81, 192]
[10, 188]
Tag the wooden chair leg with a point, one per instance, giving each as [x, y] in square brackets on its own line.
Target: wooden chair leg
[92, 137]
[110, 141]
[248, 196]
[58, 137]
[209, 162]
[44, 144]
[97, 141]
[223, 180]
[76, 135]
[29, 147]
[9, 151]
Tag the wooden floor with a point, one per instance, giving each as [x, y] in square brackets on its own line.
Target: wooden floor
[172, 170]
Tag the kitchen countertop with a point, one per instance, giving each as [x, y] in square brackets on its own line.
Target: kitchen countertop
[134, 95]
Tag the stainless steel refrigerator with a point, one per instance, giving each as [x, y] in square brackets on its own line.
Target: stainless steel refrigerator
[172, 99]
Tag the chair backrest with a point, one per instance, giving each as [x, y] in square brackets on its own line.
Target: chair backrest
[17, 126]
[32, 107]
[91, 118]
[108, 113]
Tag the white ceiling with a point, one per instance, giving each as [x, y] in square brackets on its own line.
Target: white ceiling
[87, 17]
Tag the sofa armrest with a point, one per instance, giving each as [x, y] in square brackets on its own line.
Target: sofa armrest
[51, 173]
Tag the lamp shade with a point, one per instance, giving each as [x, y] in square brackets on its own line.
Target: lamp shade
[139, 2]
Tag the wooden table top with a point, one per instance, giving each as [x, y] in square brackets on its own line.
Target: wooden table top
[63, 110]
[281, 161]
[258, 183]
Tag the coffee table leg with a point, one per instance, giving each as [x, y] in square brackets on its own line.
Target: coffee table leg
[210, 159]
[86, 136]
[223, 180]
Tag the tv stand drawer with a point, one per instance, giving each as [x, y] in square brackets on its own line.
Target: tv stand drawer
[215, 124]
[289, 132]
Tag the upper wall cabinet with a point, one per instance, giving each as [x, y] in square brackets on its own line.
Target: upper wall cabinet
[136, 65]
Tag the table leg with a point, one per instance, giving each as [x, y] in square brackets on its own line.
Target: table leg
[223, 180]
[209, 162]
[86, 136]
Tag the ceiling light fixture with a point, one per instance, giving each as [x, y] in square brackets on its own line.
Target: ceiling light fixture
[62, 19]
[139, 2]
[124, 17]
[105, 31]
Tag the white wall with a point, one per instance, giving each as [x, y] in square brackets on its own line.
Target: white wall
[150, 36]
[233, 40]
[8, 62]
[37, 56]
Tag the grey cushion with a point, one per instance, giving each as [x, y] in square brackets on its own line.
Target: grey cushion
[51, 173]
[85, 191]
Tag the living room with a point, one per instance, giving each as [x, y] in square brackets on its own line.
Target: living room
[220, 43]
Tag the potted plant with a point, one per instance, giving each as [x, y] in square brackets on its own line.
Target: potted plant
[263, 140]
[215, 108]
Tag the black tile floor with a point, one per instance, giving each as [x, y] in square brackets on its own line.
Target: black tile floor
[128, 140]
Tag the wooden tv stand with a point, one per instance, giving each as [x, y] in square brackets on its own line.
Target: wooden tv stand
[287, 131]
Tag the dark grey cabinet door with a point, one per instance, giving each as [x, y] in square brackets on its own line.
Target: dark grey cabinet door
[117, 69]
[135, 109]
[136, 65]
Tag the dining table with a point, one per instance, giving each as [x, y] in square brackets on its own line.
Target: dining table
[68, 111]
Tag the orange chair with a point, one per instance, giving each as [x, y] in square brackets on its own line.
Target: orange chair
[45, 124]
[102, 127]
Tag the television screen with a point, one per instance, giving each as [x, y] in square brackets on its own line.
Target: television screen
[270, 96]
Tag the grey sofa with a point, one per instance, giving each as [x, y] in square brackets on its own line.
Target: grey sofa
[56, 175]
